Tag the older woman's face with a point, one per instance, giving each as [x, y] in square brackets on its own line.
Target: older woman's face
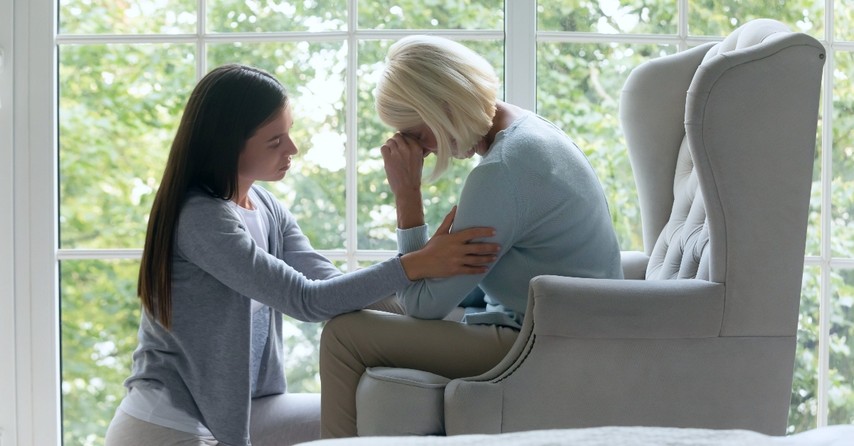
[424, 136]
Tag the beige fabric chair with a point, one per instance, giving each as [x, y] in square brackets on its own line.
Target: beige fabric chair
[702, 333]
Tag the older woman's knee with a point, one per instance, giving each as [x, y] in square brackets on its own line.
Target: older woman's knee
[341, 330]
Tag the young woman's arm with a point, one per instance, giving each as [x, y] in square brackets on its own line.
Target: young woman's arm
[210, 236]
[289, 243]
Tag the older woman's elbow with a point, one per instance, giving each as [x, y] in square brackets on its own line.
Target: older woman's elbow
[420, 311]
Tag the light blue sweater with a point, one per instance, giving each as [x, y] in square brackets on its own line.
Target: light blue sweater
[204, 360]
[539, 192]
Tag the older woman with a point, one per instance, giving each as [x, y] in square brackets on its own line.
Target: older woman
[533, 185]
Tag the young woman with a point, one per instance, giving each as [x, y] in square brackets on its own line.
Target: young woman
[533, 185]
[223, 259]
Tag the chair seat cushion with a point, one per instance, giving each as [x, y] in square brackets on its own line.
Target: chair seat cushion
[393, 401]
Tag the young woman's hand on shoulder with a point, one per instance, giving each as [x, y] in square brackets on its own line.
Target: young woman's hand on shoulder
[449, 254]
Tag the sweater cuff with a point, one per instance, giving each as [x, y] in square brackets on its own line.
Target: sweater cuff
[401, 278]
[411, 239]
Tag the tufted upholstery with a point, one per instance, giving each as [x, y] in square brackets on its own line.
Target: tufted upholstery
[702, 332]
[680, 251]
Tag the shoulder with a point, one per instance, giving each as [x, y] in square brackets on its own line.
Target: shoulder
[533, 130]
[537, 146]
[201, 210]
[491, 172]
[265, 196]
[199, 205]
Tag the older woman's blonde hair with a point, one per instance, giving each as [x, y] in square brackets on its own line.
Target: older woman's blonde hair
[443, 84]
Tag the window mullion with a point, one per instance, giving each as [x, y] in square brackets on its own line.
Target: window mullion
[682, 25]
[351, 129]
[826, 250]
[8, 392]
[201, 44]
[520, 53]
[36, 211]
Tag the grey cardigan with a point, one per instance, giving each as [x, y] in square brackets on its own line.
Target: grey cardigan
[203, 361]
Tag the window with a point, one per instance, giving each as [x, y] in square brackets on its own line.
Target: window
[124, 76]
[92, 150]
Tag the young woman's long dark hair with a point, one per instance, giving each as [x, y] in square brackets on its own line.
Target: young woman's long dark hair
[224, 110]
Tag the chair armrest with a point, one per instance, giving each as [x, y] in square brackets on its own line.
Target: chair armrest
[393, 401]
[634, 264]
[644, 309]
[589, 314]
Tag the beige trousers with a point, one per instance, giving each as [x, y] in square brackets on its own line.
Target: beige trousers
[352, 342]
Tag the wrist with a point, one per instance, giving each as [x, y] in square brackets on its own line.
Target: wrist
[411, 266]
[410, 212]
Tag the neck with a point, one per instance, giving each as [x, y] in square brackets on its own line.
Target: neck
[241, 198]
[505, 114]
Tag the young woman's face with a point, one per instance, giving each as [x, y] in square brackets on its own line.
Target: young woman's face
[267, 154]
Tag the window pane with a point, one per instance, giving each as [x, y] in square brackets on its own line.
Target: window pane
[841, 376]
[609, 17]
[415, 14]
[313, 74]
[119, 107]
[376, 212]
[843, 22]
[719, 18]
[276, 16]
[137, 17]
[578, 88]
[99, 321]
[804, 404]
[302, 355]
[842, 192]
[813, 245]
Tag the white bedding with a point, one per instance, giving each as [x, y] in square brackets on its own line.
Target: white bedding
[841, 435]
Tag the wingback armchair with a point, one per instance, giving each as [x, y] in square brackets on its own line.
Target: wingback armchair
[702, 332]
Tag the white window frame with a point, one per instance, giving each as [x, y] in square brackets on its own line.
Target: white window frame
[29, 314]
[7, 237]
[36, 400]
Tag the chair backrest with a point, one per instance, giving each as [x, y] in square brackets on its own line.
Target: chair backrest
[722, 143]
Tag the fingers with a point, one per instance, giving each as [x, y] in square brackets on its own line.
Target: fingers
[480, 261]
[403, 162]
[445, 227]
[404, 147]
[473, 254]
[397, 141]
[474, 233]
[481, 249]
[388, 148]
[468, 270]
